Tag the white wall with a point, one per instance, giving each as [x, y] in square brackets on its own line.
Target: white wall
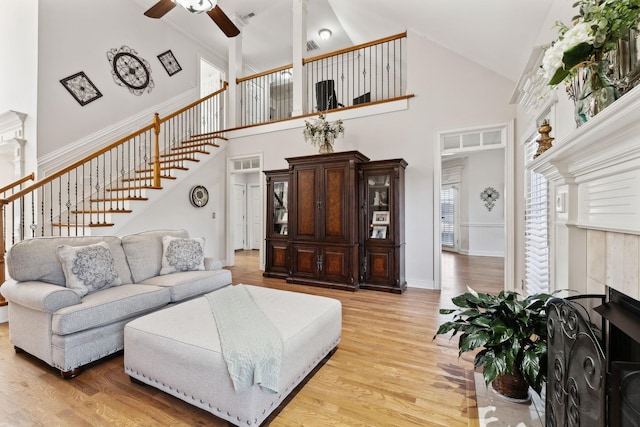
[450, 92]
[19, 70]
[482, 231]
[75, 35]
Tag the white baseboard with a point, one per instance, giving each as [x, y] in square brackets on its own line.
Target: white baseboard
[482, 253]
[421, 284]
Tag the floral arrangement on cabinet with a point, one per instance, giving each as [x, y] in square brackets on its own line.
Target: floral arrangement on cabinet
[321, 133]
[578, 56]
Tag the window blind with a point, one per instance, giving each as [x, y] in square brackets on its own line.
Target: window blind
[447, 210]
[536, 228]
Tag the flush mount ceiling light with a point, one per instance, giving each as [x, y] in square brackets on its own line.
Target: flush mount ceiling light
[197, 6]
[325, 34]
[286, 74]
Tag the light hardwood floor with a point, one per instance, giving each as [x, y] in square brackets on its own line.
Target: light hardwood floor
[387, 371]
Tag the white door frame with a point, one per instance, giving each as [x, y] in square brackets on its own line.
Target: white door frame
[509, 209]
[231, 172]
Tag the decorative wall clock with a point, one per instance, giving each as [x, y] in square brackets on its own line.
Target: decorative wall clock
[489, 197]
[130, 71]
[81, 88]
[199, 196]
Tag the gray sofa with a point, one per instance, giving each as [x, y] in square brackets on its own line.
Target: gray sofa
[68, 327]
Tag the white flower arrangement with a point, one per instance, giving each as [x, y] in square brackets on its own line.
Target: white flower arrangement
[320, 131]
[574, 36]
[594, 32]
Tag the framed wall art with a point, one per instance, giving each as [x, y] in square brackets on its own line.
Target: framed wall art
[81, 88]
[130, 71]
[169, 62]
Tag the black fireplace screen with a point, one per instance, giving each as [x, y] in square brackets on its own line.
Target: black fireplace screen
[625, 394]
[576, 378]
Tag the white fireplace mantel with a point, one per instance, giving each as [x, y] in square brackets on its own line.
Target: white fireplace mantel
[595, 171]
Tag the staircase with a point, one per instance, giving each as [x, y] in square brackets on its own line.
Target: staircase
[92, 192]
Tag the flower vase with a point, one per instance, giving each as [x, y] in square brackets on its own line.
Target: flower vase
[326, 148]
[597, 92]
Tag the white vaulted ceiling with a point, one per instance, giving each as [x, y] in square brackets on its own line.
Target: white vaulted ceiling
[497, 34]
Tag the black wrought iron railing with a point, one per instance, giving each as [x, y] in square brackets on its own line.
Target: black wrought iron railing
[362, 74]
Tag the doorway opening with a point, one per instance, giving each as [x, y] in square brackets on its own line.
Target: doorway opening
[470, 163]
[245, 204]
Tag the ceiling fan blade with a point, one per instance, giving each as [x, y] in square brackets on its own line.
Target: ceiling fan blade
[160, 9]
[223, 21]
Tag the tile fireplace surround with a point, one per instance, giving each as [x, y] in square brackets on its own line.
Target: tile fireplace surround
[594, 190]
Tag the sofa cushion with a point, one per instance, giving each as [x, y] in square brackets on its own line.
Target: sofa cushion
[108, 306]
[88, 268]
[144, 252]
[180, 254]
[37, 258]
[187, 284]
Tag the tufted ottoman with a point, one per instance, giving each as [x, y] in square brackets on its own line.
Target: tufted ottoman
[178, 351]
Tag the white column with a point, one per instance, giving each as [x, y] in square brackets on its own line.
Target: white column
[235, 71]
[299, 38]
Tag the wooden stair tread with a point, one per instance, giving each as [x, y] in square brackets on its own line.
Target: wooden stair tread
[204, 137]
[103, 224]
[147, 178]
[190, 144]
[177, 160]
[119, 199]
[100, 211]
[164, 168]
[185, 150]
[189, 151]
[134, 187]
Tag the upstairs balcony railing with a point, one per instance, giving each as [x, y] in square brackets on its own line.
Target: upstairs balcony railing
[370, 72]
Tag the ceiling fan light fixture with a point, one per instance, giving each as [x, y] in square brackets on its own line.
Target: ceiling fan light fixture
[197, 6]
[325, 34]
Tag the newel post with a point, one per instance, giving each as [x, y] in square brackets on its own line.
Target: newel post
[156, 149]
[3, 202]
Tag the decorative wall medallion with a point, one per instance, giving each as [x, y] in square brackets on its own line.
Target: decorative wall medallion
[199, 196]
[129, 70]
[489, 197]
[169, 62]
[81, 88]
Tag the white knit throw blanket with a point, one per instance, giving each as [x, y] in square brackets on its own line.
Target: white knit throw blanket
[251, 345]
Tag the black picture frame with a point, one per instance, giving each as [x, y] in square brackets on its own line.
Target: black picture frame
[169, 62]
[81, 88]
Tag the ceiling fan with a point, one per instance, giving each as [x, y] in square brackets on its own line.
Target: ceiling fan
[161, 8]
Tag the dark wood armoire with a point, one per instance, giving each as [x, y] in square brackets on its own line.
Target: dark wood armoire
[341, 223]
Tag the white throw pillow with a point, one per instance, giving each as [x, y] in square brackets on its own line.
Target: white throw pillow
[88, 268]
[180, 254]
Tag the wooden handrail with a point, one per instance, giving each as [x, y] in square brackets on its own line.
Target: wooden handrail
[74, 165]
[194, 103]
[22, 180]
[264, 73]
[353, 48]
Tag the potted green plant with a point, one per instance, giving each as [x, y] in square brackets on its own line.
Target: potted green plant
[511, 333]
